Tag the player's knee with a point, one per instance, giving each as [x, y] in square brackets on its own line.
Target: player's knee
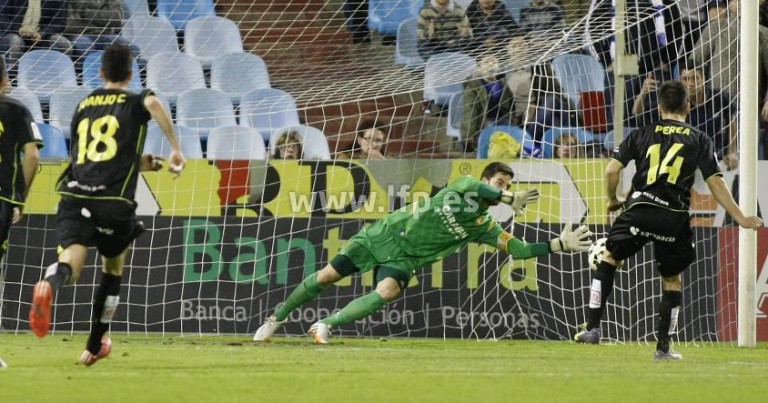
[673, 283]
[608, 258]
[388, 289]
[327, 276]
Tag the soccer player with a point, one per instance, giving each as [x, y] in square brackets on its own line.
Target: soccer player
[666, 154]
[18, 133]
[416, 236]
[97, 193]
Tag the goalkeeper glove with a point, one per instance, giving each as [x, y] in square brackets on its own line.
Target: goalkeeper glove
[572, 241]
[518, 200]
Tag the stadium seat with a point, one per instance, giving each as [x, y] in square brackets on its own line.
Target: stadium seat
[45, 72]
[29, 99]
[135, 8]
[179, 12]
[152, 35]
[238, 73]
[385, 16]
[63, 106]
[170, 74]
[268, 109]
[609, 142]
[455, 110]
[228, 143]
[203, 109]
[517, 133]
[577, 74]
[54, 144]
[210, 37]
[313, 141]
[444, 74]
[514, 7]
[548, 140]
[189, 139]
[406, 45]
[92, 65]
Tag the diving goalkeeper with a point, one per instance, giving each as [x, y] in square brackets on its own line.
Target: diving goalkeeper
[416, 236]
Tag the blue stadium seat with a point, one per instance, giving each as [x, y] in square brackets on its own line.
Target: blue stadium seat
[548, 140]
[268, 109]
[92, 65]
[208, 38]
[455, 110]
[63, 106]
[29, 99]
[170, 74]
[577, 74]
[609, 142]
[406, 45]
[238, 73]
[385, 16]
[54, 144]
[135, 8]
[152, 35]
[444, 74]
[189, 139]
[45, 72]
[517, 133]
[229, 143]
[179, 12]
[204, 109]
[313, 141]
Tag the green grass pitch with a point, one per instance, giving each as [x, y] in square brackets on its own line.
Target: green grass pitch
[230, 369]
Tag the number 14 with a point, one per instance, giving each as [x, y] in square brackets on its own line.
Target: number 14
[667, 166]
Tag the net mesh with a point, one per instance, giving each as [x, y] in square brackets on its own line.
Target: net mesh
[241, 228]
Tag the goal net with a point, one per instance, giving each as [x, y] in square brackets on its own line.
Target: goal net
[389, 103]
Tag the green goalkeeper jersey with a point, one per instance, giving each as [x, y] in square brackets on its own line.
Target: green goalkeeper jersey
[431, 229]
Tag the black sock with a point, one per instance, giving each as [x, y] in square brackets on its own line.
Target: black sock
[60, 276]
[605, 274]
[669, 301]
[104, 306]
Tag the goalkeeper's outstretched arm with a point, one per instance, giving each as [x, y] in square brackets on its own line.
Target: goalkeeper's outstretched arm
[569, 241]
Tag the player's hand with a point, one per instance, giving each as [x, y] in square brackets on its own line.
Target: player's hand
[731, 161]
[751, 222]
[572, 240]
[150, 162]
[649, 84]
[615, 204]
[17, 213]
[176, 163]
[518, 200]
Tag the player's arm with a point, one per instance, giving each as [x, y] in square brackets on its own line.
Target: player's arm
[158, 112]
[612, 176]
[568, 241]
[723, 196]
[518, 200]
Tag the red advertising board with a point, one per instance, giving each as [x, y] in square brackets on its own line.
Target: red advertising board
[728, 284]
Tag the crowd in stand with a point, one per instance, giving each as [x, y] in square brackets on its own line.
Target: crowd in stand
[698, 46]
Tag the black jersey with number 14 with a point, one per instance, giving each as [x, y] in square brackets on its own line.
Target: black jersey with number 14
[666, 156]
[108, 132]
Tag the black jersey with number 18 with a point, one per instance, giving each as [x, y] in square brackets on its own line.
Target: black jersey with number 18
[108, 132]
[666, 156]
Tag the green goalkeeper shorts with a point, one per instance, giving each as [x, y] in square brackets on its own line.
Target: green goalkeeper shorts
[397, 265]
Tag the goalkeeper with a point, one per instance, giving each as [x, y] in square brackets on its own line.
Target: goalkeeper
[416, 236]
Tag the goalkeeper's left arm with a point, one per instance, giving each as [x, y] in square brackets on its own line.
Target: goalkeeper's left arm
[569, 241]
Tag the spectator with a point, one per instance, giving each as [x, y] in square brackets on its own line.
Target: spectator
[717, 48]
[645, 103]
[518, 80]
[94, 25]
[289, 146]
[443, 27]
[368, 143]
[356, 12]
[541, 15]
[491, 22]
[713, 113]
[694, 14]
[486, 101]
[566, 146]
[31, 24]
[548, 106]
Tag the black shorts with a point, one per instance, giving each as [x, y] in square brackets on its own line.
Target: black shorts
[110, 225]
[670, 232]
[6, 216]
